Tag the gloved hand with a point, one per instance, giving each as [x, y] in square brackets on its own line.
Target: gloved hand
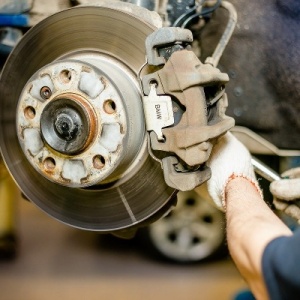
[286, 193]
[229, 159]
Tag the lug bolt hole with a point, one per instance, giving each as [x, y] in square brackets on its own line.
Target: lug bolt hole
[98, 162]
[49, 164]
[29, 112]
[65, 76]
[45, 92]
[109, 106]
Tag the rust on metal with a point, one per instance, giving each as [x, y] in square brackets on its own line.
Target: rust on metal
[185, 78]
[90, 114]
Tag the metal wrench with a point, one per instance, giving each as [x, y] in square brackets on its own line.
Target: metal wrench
[264, 171]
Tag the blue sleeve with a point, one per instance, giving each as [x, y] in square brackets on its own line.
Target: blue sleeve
[281, 267]
[14, 20]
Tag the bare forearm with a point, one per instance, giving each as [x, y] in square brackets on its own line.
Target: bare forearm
[251, 225]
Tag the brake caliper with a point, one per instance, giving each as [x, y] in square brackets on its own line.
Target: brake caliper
[184, 106]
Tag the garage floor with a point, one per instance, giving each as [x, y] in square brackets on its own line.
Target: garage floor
[59, 262]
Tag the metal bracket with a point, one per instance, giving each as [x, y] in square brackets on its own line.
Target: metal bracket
[198, 90]
[185, 78]
[183, 181]
[164, 37]
[158, 112]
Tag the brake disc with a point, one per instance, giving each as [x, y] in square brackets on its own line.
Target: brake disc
[72, 125]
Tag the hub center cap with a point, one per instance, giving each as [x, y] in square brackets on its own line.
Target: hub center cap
[66, 124]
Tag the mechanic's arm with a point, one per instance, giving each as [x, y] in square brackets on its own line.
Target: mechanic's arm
[251, 224]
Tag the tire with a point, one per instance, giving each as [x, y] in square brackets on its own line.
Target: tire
[191, 232]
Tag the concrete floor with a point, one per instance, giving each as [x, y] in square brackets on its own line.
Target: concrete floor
[59, 262]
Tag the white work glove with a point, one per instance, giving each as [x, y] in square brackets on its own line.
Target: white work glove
[229, 159]
[286, 193]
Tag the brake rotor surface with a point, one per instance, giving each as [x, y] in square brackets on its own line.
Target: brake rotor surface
[120, 204]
